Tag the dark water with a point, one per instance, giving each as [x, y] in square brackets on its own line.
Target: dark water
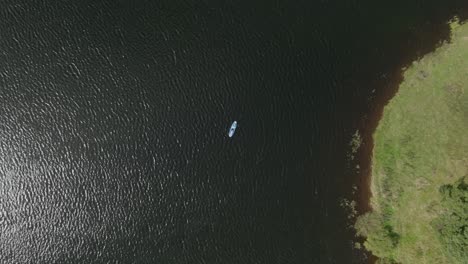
[114, 119]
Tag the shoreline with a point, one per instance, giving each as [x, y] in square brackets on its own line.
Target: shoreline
[364, 155]
[369, 121]
[368, 125]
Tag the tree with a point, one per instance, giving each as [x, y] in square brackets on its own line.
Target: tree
[452, 225]
[380, 237]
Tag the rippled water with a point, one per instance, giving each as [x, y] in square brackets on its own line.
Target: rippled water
[114, 120]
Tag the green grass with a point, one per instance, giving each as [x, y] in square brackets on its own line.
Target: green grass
[421, 143]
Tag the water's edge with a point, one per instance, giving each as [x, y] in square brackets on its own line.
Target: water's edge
[369, 122]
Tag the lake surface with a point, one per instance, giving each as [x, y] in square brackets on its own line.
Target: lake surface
[114, 118]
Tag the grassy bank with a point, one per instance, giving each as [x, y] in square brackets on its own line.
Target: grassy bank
[420, 203]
